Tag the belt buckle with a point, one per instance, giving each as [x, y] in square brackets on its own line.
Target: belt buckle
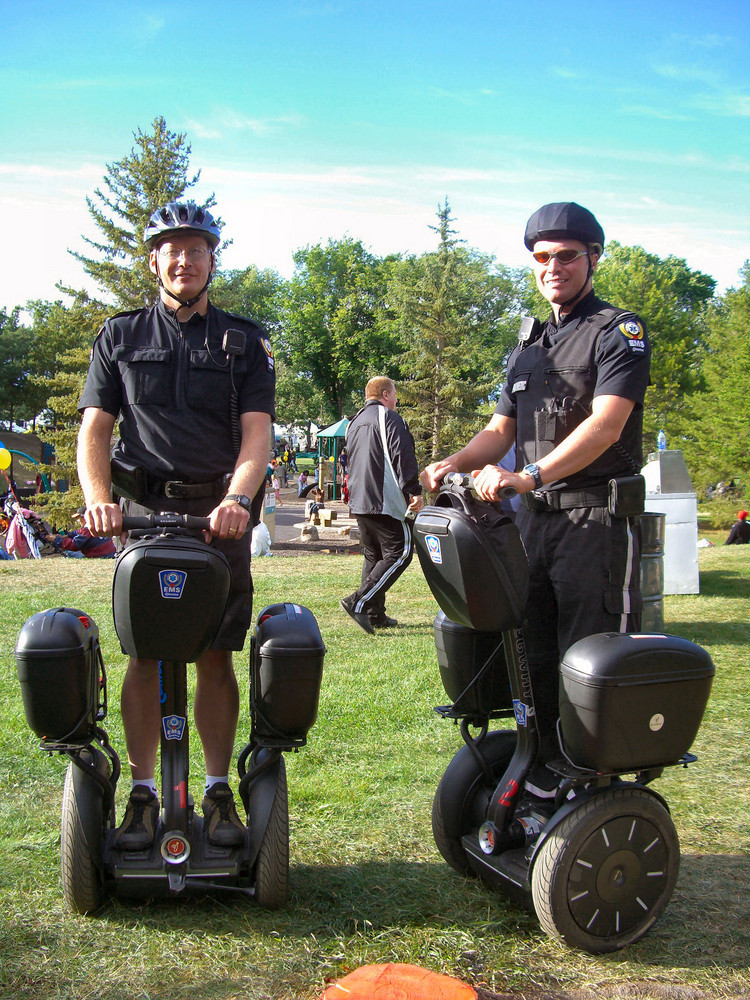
[537, 501]
[174, 490]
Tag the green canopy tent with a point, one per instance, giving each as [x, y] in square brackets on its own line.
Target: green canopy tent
[331, 441]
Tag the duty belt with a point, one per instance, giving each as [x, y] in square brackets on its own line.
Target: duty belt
[175, 489]
[565, 499]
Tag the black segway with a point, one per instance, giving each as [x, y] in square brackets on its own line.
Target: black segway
[594, 851]
[169, 595]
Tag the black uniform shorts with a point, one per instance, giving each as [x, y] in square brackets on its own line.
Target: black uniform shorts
[238, 615]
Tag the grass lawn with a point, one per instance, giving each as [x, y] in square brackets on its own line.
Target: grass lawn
[368, 884]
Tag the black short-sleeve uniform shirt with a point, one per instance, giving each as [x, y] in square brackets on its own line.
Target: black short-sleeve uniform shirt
[171, 384]
[596, 350]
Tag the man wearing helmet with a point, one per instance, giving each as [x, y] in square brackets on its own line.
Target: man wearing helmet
[193, 388]
[572, 404]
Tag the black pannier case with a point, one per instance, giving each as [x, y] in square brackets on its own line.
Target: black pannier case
[286, 669]
[472, 668]
[61, 672]
[630, 701]
[169, 597]
[474, 561]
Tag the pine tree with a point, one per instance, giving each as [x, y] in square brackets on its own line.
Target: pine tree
[154, 173]
[457, 313]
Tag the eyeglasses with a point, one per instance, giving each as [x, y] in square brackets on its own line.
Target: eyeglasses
[563, 256]
[193, 254]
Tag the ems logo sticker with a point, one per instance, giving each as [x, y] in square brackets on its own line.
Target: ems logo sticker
[521, 712]
[632, 331]
[433, 549]
[174, 726]
[172, 582]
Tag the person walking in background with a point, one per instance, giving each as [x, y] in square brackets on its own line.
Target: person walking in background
[383, 482]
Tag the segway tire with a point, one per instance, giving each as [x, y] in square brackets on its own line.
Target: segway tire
[464, 793]
[82, 886]
[272, 865]
[607, 872]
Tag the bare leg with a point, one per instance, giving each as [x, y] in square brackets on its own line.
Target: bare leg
[141, 716]
[216, 709]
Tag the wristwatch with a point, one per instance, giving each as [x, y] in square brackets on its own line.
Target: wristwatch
[241, 499]
[533, 471]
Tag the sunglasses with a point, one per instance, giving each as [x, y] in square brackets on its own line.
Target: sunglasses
[563, 256]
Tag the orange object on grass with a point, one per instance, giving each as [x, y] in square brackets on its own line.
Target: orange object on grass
[398, 982]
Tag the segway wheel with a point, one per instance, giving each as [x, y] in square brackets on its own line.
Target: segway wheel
[81, 880]
[272, 865]
[464, 792]
[607, 872]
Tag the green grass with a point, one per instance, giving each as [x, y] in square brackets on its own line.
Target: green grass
[368, 884]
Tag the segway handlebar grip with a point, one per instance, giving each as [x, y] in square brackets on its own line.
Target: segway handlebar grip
[131, 522]
[466, 480]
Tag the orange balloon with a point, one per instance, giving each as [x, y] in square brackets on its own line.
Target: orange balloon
[5, 458]
[398, 982]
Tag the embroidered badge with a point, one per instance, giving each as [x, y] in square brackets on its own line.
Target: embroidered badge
[632, 331]
[269, 351]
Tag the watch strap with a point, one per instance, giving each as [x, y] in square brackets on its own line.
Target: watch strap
[241, 499]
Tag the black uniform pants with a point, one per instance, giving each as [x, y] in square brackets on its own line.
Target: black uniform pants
[585, 578]
[388, 549]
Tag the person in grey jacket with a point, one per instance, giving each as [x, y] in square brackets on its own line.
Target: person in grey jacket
[383, 486]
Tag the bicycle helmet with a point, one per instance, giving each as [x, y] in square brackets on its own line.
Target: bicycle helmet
[181, 216]
[563, 220]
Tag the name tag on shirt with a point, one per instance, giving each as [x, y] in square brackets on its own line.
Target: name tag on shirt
[520, 385]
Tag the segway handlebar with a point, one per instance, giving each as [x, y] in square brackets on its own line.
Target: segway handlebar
[466, 480]
[166, 520]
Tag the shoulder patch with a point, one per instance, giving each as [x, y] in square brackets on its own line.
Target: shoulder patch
[632, 330]
[633, 333]
[269, 351]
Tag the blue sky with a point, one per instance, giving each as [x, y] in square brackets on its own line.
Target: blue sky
[312, 120]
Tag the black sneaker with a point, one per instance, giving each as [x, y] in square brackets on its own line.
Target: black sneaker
[359, 617]
[137, 830]
[223, 826]
[383, 622]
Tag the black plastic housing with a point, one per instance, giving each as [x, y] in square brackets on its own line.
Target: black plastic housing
[168, 597]
[286, 670]
[61, 673]
[474, 563]
[629, 701]
[472, 668]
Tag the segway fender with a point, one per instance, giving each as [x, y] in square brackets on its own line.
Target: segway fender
[89, 800]
[259, 804]
[572, 804]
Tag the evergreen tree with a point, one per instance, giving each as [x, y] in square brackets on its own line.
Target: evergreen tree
[457, 315]
[154, 173]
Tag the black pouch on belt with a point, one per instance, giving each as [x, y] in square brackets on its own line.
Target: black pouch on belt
[627, 496]
[128, 481]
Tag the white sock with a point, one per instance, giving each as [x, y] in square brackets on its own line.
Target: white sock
[214, 779]
[148, 782]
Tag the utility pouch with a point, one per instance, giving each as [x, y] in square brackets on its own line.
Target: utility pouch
[128, 481]
[627, 496]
